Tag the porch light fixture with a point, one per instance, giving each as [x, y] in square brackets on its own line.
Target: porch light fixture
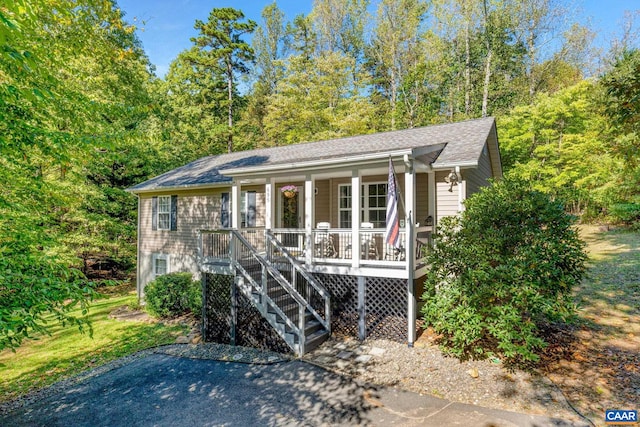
[451, 179]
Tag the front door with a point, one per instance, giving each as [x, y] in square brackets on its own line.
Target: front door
[290, 209]
[291, 214]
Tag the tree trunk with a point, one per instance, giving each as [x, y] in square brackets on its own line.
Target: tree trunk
[230, 99]
[487, 81]
[487, 70]
[467, 71]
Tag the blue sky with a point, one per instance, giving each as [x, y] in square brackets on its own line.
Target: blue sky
[166, 26]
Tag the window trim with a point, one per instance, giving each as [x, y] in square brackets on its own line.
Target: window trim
[154, 266]
[341, 209]
[365, 210]
[168, 213]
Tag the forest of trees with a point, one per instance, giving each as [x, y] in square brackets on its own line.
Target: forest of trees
[83, 116]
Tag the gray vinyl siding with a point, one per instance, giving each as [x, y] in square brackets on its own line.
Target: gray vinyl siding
[323, 202]
[197, 210]
[422, 198]
[478, 177]
[447, 202]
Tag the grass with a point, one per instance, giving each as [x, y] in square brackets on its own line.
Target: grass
[42, 362]
[598, 360]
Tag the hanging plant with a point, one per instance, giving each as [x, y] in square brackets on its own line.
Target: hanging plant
[289, 191]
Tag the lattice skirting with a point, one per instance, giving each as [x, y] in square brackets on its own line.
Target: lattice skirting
[252, 330]
[384, 314]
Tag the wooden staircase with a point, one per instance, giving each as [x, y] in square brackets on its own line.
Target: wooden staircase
[292, 301]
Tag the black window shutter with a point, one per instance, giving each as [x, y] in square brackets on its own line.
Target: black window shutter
[154, 213]
[224, 211]
[251, 209]
[174, 213]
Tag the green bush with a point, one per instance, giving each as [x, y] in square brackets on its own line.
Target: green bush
[626, 213]
[173, 294]
[499, 271]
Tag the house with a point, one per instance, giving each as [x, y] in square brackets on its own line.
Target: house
[296, 234]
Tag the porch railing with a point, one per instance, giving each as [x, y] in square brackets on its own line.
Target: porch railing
[329, 246]
[335, 245]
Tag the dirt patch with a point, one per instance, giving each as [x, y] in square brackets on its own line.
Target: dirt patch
[126, 313]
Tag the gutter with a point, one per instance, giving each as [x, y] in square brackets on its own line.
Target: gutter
[449, 165]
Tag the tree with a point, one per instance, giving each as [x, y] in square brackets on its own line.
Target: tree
[220, 45]
[195, 108]
[557, 143]
[501, 270]
[395, 47]
[270, 43]
[339, 26]
[73, 100]
[316, 100]
[622, 106]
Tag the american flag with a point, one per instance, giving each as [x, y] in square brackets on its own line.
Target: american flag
[392, 233]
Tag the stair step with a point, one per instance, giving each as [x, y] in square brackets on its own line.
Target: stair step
[315, 339]
[311, 327]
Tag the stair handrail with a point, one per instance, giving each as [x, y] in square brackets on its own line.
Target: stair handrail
[326, 322]
[275, 306]
[272, 270]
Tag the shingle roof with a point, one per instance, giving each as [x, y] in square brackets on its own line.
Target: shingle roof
[464, 142]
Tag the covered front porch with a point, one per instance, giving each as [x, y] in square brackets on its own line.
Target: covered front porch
[330, 221]
[333, 218]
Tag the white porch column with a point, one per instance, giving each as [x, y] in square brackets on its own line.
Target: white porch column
[355, 218]
[431, 198]
[235, 205]
[410, 206]
[270, 203]
[309, 207]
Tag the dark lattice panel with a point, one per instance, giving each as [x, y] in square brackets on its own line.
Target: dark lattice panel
[344, 302]
[217, 321]
[254, 331]
[386, 308]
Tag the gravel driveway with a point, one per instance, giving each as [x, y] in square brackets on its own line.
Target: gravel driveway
[164, 390]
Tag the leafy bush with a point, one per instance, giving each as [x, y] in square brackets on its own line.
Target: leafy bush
[626, 213]
[500, 270]
[173, 294]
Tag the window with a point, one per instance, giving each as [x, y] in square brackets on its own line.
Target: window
[344, 205]
[373, 204]
[164, 212]
[160, 264]
[376, 208]
[247, 209]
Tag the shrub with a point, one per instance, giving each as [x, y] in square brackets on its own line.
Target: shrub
[173, 294]
[499, 270]
[626, 213]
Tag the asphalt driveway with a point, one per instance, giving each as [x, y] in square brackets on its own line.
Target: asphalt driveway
[161, 390]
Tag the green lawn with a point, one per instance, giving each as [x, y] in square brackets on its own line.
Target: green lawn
[39, 363]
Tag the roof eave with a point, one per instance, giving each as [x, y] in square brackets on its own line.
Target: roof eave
[316, 164]
[449, 165]
[179, 188]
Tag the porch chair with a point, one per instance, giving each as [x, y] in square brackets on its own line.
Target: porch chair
[323, 241]
[369, 247]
